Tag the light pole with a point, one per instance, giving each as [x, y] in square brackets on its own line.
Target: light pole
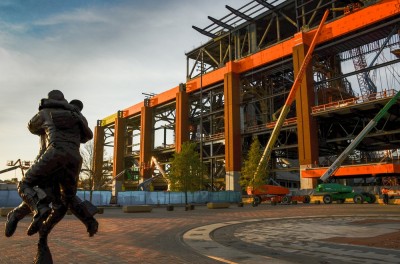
[201, 117]
[201, 107]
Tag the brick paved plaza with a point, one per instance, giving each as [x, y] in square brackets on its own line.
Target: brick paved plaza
[157, 237]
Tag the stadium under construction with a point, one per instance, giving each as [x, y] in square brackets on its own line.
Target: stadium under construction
[238, 85]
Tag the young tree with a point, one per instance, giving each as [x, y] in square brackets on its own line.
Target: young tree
[87, 174]
[187, 171]
[250, 166]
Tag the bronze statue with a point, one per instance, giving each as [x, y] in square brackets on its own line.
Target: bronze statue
[54, 176]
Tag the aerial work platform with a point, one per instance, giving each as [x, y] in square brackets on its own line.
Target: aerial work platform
[359, 170]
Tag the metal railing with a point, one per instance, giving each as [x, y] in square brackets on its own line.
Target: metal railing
[353, 101]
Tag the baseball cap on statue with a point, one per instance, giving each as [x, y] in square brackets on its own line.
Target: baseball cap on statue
[56, 95]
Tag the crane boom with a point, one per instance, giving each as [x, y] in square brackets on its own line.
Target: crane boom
[114, 178]
[14, 167]
[291, 97]
[336, 164]
[145, 184]
[158, 166]
[10, 169]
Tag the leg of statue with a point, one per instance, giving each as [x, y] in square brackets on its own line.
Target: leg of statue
[43, 255]
[35, 198]
[84, 211]
[14, 217]
[58, 213]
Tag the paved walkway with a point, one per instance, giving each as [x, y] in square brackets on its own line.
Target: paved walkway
[264, 234]
[295, 240]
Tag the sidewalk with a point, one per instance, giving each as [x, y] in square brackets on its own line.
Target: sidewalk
[161, 236]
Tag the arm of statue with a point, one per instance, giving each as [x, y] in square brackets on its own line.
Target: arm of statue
[35, 125]
[86, 132]
[51, 103]
[43, 145]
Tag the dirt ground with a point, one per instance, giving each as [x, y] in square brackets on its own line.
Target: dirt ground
[391, 240]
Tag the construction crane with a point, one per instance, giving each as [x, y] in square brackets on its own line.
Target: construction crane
[144, 186]
[336, 164]
[114, 178]
[14, 166]
[367, 86]
[365, 83]
[290, 99]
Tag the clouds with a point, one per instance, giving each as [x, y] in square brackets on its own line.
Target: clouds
[78, 16]
[105, 53]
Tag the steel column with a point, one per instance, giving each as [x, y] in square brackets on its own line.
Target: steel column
[306, 125]
[119, 152]
[233, 151]
[146, 141]
[98, 154]
[182, 119]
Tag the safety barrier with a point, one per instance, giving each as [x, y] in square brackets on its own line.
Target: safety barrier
[10, 198]
[163, 198]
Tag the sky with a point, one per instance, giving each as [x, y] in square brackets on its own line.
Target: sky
[105, 53]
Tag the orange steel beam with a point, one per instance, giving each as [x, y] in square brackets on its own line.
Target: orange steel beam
[159, 99]
[133, 110]
[164, 97]
[355, 170]
[334, 29]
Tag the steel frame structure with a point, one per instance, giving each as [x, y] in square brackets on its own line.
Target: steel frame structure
[246, 73]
